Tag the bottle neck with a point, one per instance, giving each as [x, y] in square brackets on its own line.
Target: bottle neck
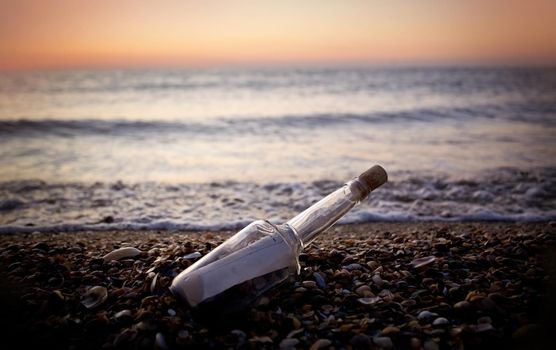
[323, 214]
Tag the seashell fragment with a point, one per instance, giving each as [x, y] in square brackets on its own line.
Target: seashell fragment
[369, 301]
[125, 252]
[153, 283]
[417, 263]
[94, 297]
[123, 315]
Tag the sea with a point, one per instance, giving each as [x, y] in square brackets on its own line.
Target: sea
[211, 149]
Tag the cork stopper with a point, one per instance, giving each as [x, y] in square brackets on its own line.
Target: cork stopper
[374, 177]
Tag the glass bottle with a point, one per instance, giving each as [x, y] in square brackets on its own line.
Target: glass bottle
[262, 255]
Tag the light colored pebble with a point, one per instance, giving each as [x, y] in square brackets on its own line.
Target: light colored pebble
[383, 342]
[440, 321]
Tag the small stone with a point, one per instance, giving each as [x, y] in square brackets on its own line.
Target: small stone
[383, 342]
[440, 322]
[377, 280]
[483, 327]
[346, 327]
[40, 246]
[182, 338]
[462, 306]
[351, 267]
[321, 282]
[239, 334]
[484, 319]
[309, 284]
[426, 315]
[321, 344]
[527, 331]
[171, 312]
[288, 343]
[364, 291]
[361, 342]
[296, 323]
[264, 339]
[390, 330]
[160, 342]
[415, 343]
[430, 345]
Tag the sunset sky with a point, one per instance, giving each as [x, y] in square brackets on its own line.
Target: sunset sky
[119, 33]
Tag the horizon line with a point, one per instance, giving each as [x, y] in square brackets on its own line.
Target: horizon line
[503, 62]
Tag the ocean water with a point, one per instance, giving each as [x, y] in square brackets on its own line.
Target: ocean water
[216, 148]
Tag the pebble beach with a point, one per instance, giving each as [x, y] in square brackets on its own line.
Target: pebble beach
[420, 285]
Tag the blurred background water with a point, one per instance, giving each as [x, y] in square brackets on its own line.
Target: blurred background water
[301, 128]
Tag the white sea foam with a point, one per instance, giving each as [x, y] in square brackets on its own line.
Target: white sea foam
[500, 195]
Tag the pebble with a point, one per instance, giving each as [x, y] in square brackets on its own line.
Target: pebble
[486, 273]
[351, 267]
[377, 280]
[462, 305]
[440, 321]
[361, 342]
[321, 344]
[263, 339]
[430, 345]
[364, 291]
[383, 342]
[390, 330]
[426, 315]
[415, 343]
[288, 343]
[321, 282]
[483, 327]
[239, 334]
[160, 342]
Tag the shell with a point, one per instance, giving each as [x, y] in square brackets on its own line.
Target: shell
[94, 297]
[369, 301]
[125, 252]
[417, 263]
[123, 315]
[153, 282]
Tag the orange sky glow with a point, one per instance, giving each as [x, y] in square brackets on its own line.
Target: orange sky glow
[128, 33]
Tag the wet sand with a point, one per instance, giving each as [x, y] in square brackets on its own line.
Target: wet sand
[478, 286]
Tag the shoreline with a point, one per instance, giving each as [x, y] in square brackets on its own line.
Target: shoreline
[489, 285]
